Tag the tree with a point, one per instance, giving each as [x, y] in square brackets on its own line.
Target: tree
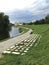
[4, 26]
[30, 23]
[4, 22]
[36, 22]
[1, 17]
[47, 19]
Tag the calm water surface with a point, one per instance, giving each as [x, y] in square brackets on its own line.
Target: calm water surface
[14, 31]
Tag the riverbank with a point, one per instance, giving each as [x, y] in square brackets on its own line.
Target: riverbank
[7, 44]
[37, 55]
[20, 30]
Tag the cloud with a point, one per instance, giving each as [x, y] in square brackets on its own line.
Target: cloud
[9, 5]
[25, 10]
[40, 7]
[38, 10]
[24, 16]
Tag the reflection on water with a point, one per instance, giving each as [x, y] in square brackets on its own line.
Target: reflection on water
[7, 34]
[4, 35]
[14, 31]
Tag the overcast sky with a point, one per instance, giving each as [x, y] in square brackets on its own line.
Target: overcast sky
[25, 10]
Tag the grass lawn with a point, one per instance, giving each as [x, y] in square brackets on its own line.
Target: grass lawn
[38, 55]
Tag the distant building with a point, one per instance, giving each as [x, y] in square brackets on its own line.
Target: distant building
[18, 24]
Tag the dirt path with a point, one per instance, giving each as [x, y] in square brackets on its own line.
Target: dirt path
[7, 44]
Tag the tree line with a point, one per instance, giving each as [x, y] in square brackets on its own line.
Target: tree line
[4, 25]
[4, 22]
[41, 21]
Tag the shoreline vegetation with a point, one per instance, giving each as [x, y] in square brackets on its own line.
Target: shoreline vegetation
[22, 30]
[4, 26]
[36, 55]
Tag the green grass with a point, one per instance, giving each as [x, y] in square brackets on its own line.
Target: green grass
[22, 29]
[38, 55]
[37, 28]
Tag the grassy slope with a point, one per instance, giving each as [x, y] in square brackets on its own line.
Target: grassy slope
[38, 55]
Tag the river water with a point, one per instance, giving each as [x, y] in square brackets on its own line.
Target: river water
[8, 34]
[14, 31]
